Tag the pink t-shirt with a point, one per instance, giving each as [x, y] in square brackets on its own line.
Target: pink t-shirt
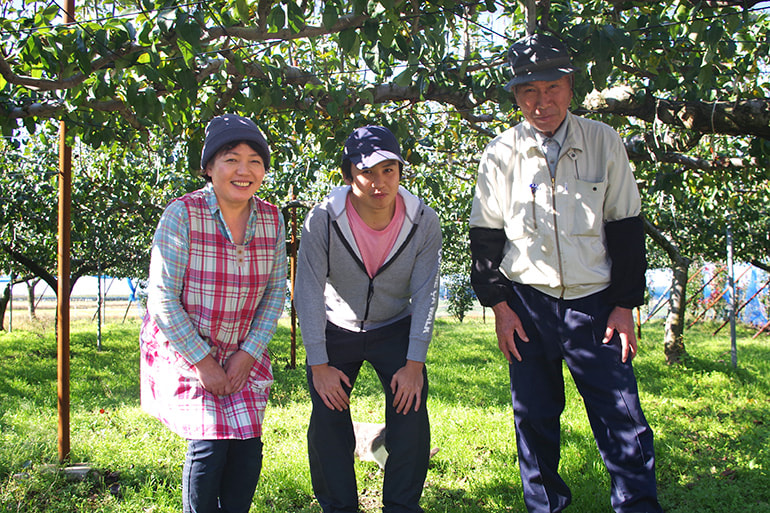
[375, 245]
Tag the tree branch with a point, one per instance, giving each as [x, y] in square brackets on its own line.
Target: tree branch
[667, 245]
[44, 84]
[721, 4]
[260, 34]
[31, 265]
[637, 150]
[624, 5]
[746, 117]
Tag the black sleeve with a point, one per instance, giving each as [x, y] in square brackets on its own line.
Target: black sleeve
[628, 257]
[487, 245]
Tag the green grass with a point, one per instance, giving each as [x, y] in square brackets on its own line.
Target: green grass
[711, 422]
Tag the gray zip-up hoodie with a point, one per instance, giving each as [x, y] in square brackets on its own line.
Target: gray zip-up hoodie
[332, 283]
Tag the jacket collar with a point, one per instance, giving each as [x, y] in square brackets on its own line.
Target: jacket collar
[337, 196]
[573, 140]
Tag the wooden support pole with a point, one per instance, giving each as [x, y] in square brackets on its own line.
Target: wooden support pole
[63, 287]
[292, 278]
[63, 293]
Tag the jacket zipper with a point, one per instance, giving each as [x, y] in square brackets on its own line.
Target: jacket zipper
[556, 236]
[360, 263]
[369, 294]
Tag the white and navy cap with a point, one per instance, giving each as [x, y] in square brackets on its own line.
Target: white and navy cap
[369, 145]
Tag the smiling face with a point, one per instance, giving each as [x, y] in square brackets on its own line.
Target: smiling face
[374, 190]
[545, 103]
[236, 175]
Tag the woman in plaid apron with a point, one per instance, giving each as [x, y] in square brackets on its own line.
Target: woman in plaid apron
[216, 290]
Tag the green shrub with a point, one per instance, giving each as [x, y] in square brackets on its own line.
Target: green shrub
[460, 297]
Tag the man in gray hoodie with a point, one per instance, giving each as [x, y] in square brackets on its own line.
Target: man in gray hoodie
[367, 290]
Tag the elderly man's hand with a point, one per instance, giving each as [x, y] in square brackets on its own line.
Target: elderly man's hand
[506, 324]
[622, 320]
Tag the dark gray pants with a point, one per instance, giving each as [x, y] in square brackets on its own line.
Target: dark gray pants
[220, 476]
[331, 442]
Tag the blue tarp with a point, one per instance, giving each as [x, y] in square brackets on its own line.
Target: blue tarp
[749, 280]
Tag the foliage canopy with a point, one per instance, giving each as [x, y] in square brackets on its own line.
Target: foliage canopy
[685, 82]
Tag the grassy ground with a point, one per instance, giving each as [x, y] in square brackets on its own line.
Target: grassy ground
[711, 422]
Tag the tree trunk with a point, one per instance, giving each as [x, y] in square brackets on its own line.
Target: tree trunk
[673, 337]
[31, 299]
[4, 299]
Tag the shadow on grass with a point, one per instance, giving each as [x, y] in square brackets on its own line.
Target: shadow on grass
[711, 421]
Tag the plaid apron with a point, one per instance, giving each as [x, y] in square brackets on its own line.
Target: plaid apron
[222, 289]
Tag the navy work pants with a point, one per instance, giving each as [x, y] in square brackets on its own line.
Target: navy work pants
[220, 476]
[572, 330]
[331, 441]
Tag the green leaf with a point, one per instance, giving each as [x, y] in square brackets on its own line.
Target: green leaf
[30, 125]
[190, 32]
[143, 37]
[243, 10]
[403, 43]
[144, 58]
[371, 31]
[404, 78]
[332, 108]
[296, 17]
[348, 40]
[132, 93]
[188, 54]
[165, 20]
[330, 15]
[387, 33]
[276, 19]
[83, 58]
[714, 34]
[276, 96]
[697, 28]
[728, 52]
[417, 48]
[185, 77]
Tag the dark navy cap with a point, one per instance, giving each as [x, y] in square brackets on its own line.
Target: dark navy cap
[229, 128]
[369, 145]
[538, 57]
